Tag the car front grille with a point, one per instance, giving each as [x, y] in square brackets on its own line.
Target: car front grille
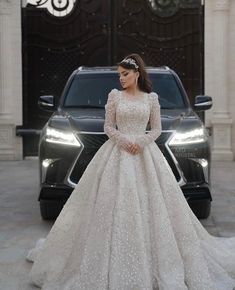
[162, 144]
[92, 142]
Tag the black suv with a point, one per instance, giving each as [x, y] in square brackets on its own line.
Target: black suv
[75, 132]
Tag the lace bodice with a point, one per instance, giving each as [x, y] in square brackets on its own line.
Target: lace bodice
[131, 117]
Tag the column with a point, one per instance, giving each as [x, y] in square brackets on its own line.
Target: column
[6, 83]
[5, 56]
[221, 121]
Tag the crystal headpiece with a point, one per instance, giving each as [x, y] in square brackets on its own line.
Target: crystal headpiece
[130, 61]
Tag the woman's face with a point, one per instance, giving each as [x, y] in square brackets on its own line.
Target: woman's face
[127, 77]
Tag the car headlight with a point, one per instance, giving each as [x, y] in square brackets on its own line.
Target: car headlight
[61, 137]
[189, 137]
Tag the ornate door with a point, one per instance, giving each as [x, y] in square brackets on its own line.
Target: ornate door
[59, 36]
[165, 32]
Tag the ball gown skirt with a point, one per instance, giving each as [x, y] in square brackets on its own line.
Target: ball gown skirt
[127, 224]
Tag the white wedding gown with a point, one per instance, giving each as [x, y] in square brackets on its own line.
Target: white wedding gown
[127, 224]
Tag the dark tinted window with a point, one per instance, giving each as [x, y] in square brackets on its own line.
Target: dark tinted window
[92, 90]
[167, 88]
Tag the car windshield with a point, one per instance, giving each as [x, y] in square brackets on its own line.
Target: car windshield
[170, 96]
[91, 90]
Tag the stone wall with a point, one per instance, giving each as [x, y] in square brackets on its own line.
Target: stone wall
[218, 70]
[10, 79]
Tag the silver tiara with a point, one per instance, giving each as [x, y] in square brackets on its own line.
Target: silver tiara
[130, 61]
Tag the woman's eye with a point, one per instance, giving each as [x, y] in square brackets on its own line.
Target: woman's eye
[125, 74]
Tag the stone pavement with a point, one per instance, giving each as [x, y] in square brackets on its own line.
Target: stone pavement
[21, 225]
[222, 218]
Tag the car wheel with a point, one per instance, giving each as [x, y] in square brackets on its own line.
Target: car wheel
[201, 208]
[50, 209]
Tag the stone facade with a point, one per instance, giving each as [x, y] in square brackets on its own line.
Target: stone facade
[219, 74]
[10, 79]
[219, 69]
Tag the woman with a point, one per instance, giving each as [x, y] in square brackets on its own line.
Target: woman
[127, 225]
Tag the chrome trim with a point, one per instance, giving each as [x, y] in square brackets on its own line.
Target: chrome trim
[67, 177]
[91, 133]
[181, 182]
[203, 104]
[45, 104]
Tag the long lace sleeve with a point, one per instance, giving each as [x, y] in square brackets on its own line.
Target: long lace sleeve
[155, 122]
[110, 121]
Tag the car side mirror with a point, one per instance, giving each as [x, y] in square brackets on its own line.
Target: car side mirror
[46, 103]
[202, 103]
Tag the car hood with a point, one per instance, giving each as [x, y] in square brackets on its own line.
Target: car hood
[92, 120]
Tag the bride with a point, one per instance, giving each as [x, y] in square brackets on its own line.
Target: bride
[127, 225]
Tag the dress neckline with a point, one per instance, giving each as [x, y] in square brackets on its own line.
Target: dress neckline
[133, 99]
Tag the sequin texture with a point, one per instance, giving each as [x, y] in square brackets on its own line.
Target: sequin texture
[127, 225]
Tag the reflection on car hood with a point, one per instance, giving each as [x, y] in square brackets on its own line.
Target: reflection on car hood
[92, 120]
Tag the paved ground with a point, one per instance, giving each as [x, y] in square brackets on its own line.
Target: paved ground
[21, 225]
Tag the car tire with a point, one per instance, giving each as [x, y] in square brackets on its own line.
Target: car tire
[50, 209]
[201, 208]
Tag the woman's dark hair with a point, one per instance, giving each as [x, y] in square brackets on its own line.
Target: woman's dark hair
[144, 82]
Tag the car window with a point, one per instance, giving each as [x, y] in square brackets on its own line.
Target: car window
[90, 90]
[166, 87]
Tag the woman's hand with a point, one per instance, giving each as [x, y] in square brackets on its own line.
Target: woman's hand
[134, 148]
[129, 146]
